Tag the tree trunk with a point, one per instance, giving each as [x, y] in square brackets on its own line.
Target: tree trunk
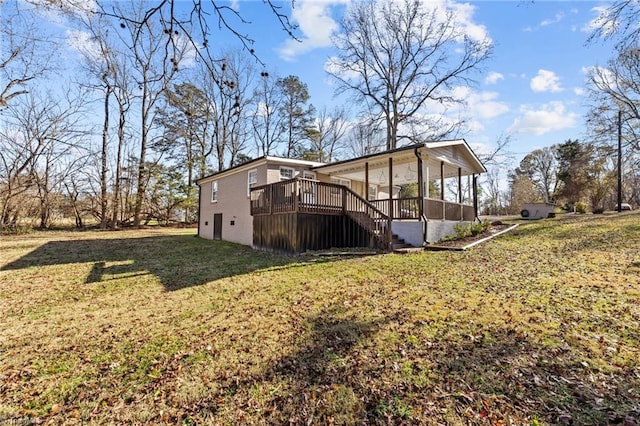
[140, 188]
[103, 166]
[116, 190]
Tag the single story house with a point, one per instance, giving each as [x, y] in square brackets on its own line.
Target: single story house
[293, 205]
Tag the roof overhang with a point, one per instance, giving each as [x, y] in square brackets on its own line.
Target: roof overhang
[257, 162]
[404, 163]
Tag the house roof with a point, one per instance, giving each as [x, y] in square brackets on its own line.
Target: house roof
[255, 162]
[454, 154]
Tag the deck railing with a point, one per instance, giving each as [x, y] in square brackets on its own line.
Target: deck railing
[311, 196]
[368, 216]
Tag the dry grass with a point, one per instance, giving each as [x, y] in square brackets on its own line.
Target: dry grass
[156, 326]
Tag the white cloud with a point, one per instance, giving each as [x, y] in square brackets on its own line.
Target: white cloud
[493, 78]
[549, 118]
[316, 24]
[546, 81]
[478, 107]
[579, 91]
[83, 43]
[556, 19]
[464, 17]
[332, 66]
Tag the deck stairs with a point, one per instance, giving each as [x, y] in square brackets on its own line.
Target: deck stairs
[375, 222]
[398, 244]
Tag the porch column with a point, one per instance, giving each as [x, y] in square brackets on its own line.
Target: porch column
[444, 209]
[390, 191]
[475, 195]
[366, 181]
[461, 209]
[442, 180]
[390, 217]
[420, 186]
[426, 181]
[460, 185]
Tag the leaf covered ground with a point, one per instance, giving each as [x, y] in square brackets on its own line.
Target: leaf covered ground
[538, 326]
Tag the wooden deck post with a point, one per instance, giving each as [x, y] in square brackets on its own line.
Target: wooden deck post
[344, 199]
[296, 195]
[270, 199]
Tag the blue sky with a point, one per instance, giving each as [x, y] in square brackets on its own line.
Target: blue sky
[533, 87]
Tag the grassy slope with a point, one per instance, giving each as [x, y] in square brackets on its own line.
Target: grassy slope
[536, 327]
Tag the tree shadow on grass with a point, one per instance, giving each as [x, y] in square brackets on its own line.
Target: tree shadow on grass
[318, 376]
[177, 261]
[337, 375]
[513, 378]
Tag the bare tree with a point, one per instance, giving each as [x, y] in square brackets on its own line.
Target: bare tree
[332, 126]
[122, 95]
[398, 57]
[228, 89]
[156, 54]
[619, 22]
[267, 123]
[615, 95]
[541, 167]
[25, 54]
[100, 58]
[39, 147]
[194, 24]
[364, 138]
[618, 84]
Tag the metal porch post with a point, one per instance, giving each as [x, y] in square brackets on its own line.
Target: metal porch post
[390, 217]
[460, 192]
[444, 211]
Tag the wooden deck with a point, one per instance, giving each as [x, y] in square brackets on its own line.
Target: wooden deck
[301, 214]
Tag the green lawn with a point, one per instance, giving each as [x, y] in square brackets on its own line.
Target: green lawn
[539, 326]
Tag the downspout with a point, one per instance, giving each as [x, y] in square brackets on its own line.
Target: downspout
[199, 202]
[423, 217]
[475, 196]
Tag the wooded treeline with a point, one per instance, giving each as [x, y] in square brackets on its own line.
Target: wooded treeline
[584, 175]
[574, 175]
[152, 106]
[149, 107]
[145, 115]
